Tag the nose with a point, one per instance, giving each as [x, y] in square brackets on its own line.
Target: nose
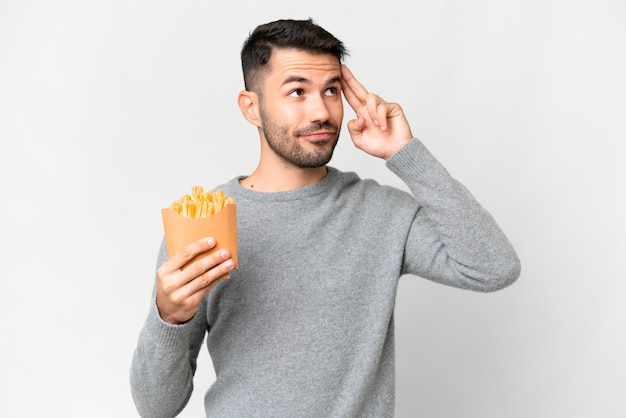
[318, 109]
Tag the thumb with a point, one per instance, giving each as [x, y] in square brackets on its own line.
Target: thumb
[356, 126]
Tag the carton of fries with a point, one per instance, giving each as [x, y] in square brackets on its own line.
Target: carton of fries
[199, 215]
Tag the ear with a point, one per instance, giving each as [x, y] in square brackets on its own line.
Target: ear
[248, 102]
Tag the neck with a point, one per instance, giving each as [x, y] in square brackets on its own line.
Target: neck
[282, 177]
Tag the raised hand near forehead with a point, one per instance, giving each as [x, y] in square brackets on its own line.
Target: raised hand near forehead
[380, 128]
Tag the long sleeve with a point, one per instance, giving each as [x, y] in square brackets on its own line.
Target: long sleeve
[453, 240]
[164, 362]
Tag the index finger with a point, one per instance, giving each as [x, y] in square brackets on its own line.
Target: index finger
[186, 254]
[353, 91]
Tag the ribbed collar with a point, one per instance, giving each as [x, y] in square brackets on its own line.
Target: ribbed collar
[323, 186]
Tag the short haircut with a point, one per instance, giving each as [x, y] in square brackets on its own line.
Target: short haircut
[302, 35]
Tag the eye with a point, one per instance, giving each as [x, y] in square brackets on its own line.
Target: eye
[297, 93]
[331, 91]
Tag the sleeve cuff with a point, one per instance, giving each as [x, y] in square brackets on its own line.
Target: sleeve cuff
[164, 334]
[411, 160]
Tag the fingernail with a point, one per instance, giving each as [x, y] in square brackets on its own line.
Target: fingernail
[230, 264]
[224, 254]
[210, 241]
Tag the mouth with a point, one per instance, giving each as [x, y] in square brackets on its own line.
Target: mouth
[319, 136]
[318, 132]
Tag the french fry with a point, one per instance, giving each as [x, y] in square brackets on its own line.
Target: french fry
[201, 204]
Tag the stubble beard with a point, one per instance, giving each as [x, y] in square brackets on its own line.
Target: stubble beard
[288, 148]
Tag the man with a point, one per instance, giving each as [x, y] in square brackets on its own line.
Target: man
[304, 327]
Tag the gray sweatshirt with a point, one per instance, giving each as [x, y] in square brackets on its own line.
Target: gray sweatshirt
[304, 327]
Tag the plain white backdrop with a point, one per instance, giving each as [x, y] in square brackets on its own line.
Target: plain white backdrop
[110, 110]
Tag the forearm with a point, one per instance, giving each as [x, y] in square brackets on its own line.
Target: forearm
[163, 366]
[453, 240]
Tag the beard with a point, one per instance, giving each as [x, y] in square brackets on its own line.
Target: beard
[288, 148]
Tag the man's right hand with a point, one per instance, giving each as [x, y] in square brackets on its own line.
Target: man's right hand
[180, 291]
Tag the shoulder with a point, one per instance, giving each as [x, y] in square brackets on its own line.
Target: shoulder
[367, 189]
[230, 186]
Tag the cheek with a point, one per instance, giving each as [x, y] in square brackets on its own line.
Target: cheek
[279, 115]
[289, 115]
[338, 111]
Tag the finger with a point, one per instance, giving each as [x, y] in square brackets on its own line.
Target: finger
[201, 273]
[357, 88]
[374, 108]
[356, 126]
[187, 253]
[209, 278]
[353, 91]
[382, 115]
[201, 265]
[351, 98]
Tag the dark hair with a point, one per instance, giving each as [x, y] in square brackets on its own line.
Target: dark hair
[283, 34]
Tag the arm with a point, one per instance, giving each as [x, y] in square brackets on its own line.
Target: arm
[164, 361]
[452, 240]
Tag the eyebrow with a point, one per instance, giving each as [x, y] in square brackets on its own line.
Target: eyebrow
[303, 80]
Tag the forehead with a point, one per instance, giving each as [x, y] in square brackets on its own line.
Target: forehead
[288, 63]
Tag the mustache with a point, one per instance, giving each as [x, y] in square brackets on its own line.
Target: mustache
[317, 127]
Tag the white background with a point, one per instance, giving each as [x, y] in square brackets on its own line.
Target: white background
[110, 110]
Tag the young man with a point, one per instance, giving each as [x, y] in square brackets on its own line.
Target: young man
[304, 327]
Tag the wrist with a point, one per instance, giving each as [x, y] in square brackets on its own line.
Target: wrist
[398, 146]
